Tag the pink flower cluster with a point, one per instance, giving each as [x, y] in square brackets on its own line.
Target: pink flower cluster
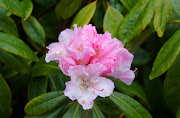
[87, 57]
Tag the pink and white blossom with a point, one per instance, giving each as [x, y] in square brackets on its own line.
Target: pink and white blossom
[86, 84]
[87, 57]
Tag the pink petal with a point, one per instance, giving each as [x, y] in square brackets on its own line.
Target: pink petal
[86, 99]
[56, 51]
[66, 36]
[125, 76]
[73, 89]
[77, 72]
[95, 70]
[88, 32]
[125, 59]
[84, 56]
[65, 63]
[103, 86]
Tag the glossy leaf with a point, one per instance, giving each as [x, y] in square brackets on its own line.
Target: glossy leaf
[129, 4]
[136, 21]
[172, 85]
[16, 46]
[44, 103]
[5, 99]
[96, 112]
[57, 82]
[163, 11]
[34, 30]
[55, 112]
[4, 11]
[130, 107]
[37, 86]
[108, 107]
[27, 6]
[134, 89]
[166, 55]
[42, 68]
[176, 6]
[66, 8]
[17, 63]
[112, 20]
[74, 112]
[84, 15]
[13, 6]
[8, 25]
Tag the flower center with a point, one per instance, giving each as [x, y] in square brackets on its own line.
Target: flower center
[87, 83]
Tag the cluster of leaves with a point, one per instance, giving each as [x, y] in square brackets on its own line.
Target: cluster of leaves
[146, 27]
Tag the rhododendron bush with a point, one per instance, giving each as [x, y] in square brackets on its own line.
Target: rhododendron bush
[89, 58]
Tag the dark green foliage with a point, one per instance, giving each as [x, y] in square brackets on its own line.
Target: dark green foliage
[32, 88]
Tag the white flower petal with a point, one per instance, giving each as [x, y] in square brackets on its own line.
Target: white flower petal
[73, 89]
[103, 86]
[87, 99]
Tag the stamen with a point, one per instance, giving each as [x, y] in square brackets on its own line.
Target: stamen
[135, 69]
[81, 88]
[47, 47]
[98, 89]
[83, 101]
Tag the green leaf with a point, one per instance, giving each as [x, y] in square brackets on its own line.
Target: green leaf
[108, 107]
[133, 90]
[42, 68]
[176, 6]
[50, 25]
[166, 56]
[69, 7]
[34, 30]
[37, 86]
[84, 15]
[74, 112]
[16, 46]
[163, 12]
[57, 82]
[8, 72]
[13, 6]
[96, 112]
[4, 11]
[55, 112]
[172, 85]
[130, 107]
[129, 4]
[32, 116]
[44, 103]
[136, 43]
[178, 113]
[17, 63]
[136, 20]
[8, 25]
[5, 99]
[112, 20]
[27, 5]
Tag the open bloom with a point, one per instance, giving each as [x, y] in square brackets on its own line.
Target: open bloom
[85, 46]
[86, 84]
